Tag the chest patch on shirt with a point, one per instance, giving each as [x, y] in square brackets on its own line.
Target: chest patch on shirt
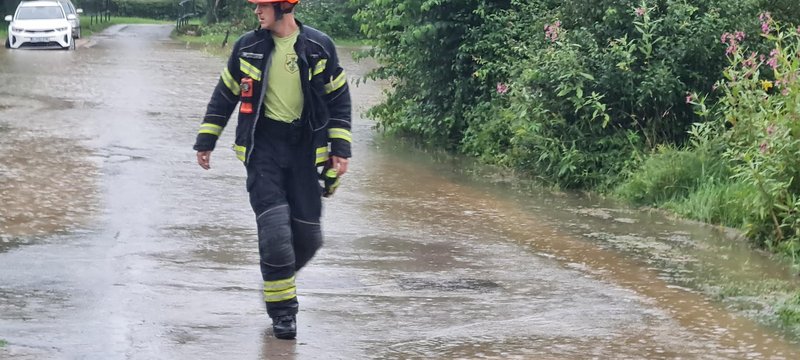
[291, 63]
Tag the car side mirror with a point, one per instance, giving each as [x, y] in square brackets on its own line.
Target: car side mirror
[9, 18]
[79, 11]
[71, 17]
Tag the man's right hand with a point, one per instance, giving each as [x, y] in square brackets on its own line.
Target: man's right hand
[204, 159]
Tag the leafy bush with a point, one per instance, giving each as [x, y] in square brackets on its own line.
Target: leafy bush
[758, 104]
[334, 17]
[417, 42]
[586, 86]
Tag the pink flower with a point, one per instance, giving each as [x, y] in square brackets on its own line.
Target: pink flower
[502, 88]
[732, 40]
[765, 19]
[641, 11]
[551, 32]
[773, 59]
[689, 98]
[731, 49]
[763, 148]
[770, 129]
[785, 91]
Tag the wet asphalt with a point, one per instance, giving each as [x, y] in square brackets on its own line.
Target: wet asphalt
[114, 244]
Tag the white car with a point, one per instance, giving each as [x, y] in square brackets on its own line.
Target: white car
[40, 24]
[69, 8]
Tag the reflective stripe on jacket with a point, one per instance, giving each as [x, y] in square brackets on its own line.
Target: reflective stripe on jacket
[326, 105]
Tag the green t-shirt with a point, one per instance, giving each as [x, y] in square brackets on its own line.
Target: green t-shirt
[284, 98]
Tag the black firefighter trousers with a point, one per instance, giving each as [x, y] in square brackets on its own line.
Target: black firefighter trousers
[285, 194]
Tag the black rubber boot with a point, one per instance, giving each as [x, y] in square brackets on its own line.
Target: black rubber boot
[284, 327]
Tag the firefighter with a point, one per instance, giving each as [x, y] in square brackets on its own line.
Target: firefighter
[294, 118]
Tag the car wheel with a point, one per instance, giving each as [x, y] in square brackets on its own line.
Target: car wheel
[78, 34]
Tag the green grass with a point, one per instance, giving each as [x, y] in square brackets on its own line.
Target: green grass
[715, 202]
[671, 174]
[89, 29]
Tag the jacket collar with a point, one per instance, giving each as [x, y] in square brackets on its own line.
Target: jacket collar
[268, 34]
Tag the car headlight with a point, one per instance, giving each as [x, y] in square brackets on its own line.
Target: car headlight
[61, 29]
[16, 29]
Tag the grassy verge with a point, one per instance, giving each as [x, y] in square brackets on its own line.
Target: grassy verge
[697, 184]
[89, 29]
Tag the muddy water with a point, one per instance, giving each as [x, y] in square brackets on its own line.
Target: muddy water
[155, 258]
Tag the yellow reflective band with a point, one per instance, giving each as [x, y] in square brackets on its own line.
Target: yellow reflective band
[335, 84]
[322, 154]
[212, 129]
[320, 67]
[232, 85]
[335, 184]
[250, 70]
[240, 152]
[339, 133]
[288, 294]
[279, 285]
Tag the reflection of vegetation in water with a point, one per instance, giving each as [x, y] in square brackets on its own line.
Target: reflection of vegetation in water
[3, 343]
[8, 243]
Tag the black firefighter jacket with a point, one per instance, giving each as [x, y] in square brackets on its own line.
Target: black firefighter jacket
[326, 104]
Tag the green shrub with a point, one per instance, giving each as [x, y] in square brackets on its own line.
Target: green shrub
[758, 104]
[334, 17]
[586, 87]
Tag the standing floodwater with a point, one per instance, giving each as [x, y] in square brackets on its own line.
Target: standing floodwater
[114, 244]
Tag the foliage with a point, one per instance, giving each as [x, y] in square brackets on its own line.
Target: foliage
[758, 106]
[418, 43]
[154, 9]
[570, 90]
[719, 201]
[672, 174]
[334, 17]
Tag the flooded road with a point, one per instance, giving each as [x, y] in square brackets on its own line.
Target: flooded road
[116, 245]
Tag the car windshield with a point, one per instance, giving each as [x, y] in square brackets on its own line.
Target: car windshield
[40, 12]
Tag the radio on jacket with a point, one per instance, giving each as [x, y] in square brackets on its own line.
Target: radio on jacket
[247, 96]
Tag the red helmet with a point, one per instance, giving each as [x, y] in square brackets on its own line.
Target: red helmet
[273, 1]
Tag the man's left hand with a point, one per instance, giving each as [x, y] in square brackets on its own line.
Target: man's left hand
[339, 164]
